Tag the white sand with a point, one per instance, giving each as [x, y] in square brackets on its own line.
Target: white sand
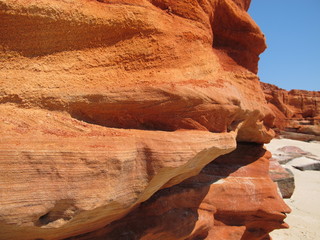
[304, 220]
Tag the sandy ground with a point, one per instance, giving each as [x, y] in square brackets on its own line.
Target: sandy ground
[304, 220]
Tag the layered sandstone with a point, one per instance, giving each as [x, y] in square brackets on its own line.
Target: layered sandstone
[232, 198]
[297, 111]
[104, 103]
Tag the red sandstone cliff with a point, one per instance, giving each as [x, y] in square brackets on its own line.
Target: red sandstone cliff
[296, 111]
[109, 107]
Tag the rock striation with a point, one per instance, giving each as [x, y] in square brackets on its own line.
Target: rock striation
[297, 112]
[110, 110]
[233, 197]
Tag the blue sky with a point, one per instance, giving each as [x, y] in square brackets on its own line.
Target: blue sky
[292, 29]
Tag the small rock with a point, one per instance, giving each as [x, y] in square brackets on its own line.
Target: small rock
[292, 149]
[283, 177]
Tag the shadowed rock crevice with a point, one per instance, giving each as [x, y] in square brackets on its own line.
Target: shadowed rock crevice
[168, 214]
[63, 211]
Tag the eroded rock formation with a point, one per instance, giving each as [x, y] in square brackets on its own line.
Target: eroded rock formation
[233, 197]
[297, 111]
[104, 103]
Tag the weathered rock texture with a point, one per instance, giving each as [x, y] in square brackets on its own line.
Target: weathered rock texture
[297, 111]
[232, 198]
[103, 103]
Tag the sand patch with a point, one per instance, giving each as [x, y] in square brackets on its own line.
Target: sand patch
[304, 220]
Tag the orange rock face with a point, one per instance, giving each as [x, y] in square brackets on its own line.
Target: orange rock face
[232, 198]
[296, 111]
[104, 103]
[132, 65]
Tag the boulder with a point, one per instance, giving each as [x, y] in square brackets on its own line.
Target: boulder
[283, 177]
